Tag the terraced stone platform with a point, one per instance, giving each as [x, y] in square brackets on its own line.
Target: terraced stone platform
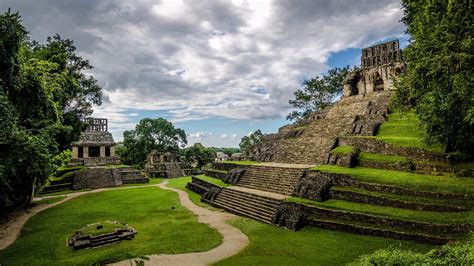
[277, 178]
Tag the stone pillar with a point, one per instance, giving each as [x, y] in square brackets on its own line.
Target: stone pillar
[86, 152]
[75, 152]
[102, 151]
[112, 151]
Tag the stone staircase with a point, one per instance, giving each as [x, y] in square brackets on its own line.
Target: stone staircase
[281, 180]
[255, 206]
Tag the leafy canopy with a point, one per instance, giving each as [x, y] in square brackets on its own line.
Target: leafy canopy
[439, 82]
[43, 93]
[198, 155]
[150, 134]
[318, 93]
[248, 141]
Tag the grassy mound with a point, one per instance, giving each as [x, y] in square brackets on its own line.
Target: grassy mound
[403, 129]
[161, 229]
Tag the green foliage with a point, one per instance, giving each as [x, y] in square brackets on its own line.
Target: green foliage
[445, 255]
[60, 160]
[404, 129]
[150, 134]
[198, 155]
[43, 92]
[342, 150]
[161, 228]
[248, 141]
[318, 93]
[439, 82]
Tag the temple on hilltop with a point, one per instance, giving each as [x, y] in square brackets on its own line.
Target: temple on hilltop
[96, 145]
[360, 112]
[379, 65]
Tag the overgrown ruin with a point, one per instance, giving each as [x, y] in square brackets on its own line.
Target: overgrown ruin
[165, 165]
[336, 138]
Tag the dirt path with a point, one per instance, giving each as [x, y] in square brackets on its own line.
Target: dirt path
[10, 231]
[233, 242]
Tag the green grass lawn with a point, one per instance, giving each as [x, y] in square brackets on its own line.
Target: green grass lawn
[270, 245]
[422, 182]
[161, 229]
[403, 129]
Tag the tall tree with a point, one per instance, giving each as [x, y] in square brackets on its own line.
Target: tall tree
[248, 141]
[199, 155]
[151, 134]
[37, 94]
[318, 93]
[439, 81]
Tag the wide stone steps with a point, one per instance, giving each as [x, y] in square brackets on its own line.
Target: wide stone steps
[254, 206]
[273, 179]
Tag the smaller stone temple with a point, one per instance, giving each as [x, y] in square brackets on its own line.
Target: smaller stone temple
[165, 165]
[96, 145]
[379, 65]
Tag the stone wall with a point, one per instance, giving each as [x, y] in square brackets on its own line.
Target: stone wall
[99, 177]
[96, 177]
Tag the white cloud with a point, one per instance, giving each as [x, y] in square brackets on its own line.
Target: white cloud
[201, 59]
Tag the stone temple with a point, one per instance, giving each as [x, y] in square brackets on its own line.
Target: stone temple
[379, 65]
[96, 145]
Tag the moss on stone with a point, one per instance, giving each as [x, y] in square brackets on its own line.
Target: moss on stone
[342, 150]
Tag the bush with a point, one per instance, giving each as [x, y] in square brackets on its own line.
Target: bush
[445, 255]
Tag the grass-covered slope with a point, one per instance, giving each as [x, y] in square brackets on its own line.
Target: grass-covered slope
[163, 226]
[422, 182]
[403, 129]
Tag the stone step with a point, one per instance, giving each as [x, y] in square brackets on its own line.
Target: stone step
[269, 187]
[279, 191]
[369, 230]
[264, 206]
[248, 204]
[105, 242]
[235, 211]
[251, 208]
[259, 198]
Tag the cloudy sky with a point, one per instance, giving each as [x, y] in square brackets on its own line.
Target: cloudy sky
[217, 69]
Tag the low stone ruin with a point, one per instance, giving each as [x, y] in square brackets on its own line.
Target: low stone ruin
[166, 165]
[86, 237]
